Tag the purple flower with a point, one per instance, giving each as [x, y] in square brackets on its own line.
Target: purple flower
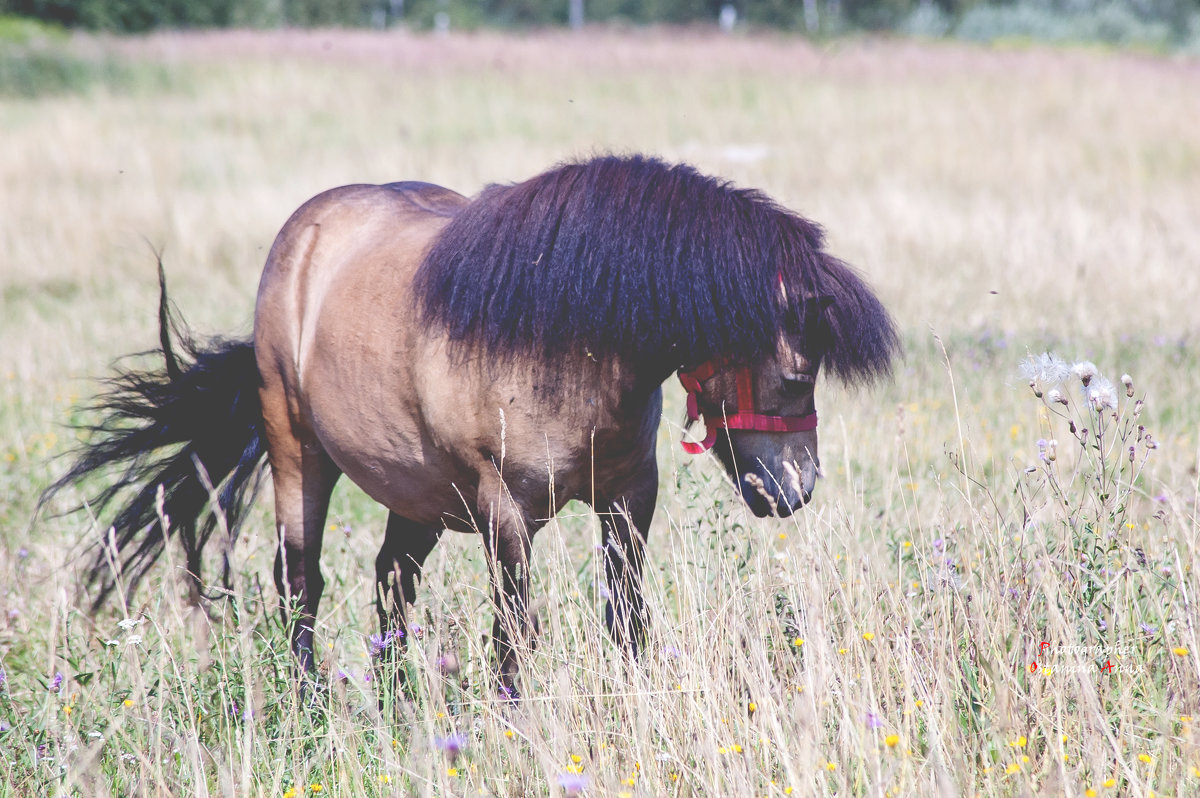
[23, 553]
[379, 643]
[451, 745]
[573, 783]
[939, 544]
[56, 683]
[873, 721]
[3, 677]
[1147, 628]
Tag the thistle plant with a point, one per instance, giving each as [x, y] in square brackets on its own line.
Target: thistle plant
[1089, 469]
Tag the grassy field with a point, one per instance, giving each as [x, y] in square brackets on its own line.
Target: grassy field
[1003, 202]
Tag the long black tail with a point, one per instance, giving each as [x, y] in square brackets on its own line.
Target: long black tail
[194, 424]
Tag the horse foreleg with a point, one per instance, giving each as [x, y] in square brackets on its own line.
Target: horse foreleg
[304, 477]
[626, 522]
[507, 541]
[406, 544]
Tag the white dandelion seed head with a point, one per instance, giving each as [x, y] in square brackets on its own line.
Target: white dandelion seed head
[1046, 368]
[129, 623]
[1085, 370]
[1127, 381]
[1054, 396]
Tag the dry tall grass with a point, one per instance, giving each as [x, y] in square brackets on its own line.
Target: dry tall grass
[878, 644]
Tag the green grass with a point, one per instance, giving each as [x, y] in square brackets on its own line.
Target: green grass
[1003, 203]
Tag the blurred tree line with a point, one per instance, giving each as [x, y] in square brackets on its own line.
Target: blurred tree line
[1153, 22]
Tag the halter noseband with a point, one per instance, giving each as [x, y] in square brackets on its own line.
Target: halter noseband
[745, 418]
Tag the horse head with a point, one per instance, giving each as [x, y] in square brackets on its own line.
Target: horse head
[761, 421]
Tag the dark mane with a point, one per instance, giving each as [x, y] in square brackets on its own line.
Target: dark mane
[632, 256]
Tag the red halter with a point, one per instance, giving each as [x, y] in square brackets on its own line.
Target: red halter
[745, 418]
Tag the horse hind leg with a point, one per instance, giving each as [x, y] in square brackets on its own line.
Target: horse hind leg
[406, 544]
[304, 476]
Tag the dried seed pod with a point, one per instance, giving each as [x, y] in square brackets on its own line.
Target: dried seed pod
[1127, 381]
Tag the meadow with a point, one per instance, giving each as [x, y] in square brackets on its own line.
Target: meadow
[979, 601]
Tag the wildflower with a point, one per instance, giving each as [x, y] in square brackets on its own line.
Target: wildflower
[1085, 371]
[831, 766]
[1110, 783]
[3, 677]
[451, 771]
[891, 740]
[316, 787]
[127, 703]
[1012, 768]
[799, 641]
[1127, 381]
[508, 733]
[872, 720]
[752, 707]
[447, 663]
[868, 636]
[379, 643]
[1149, 760]
[573, 783]
[1052, 450]
[1090, 793]
[129, 623]
[1180, 651]
[56, 683]
[1185, 718]
[1055, 396]
[576, 758]
[385, 778]
[451, 745]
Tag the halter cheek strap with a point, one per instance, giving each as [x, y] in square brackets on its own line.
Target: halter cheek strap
[745, 418]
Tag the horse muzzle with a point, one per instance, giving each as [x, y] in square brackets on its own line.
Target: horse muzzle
[779, 496]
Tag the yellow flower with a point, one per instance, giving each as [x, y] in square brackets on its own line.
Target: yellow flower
[753, 707]
[632, 780]
[799, 641]
[290, 793]
[843, 650]
[737, 749]
[831, 765]
[1013, 768]
[508, 733]
[722, 750]
[1149, 760]
[128, 702]
[908, 544]
[576, 758]
[1185, 718]
[451, 771]
[868, 636]
[891, 740]
[1090, 793]
[316, 787]
[674, 777]
[1020, 743]
[1180, 651]
[787, 790]
[919, 703]
[1110, 783]
[385, 779]
[783, 535]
